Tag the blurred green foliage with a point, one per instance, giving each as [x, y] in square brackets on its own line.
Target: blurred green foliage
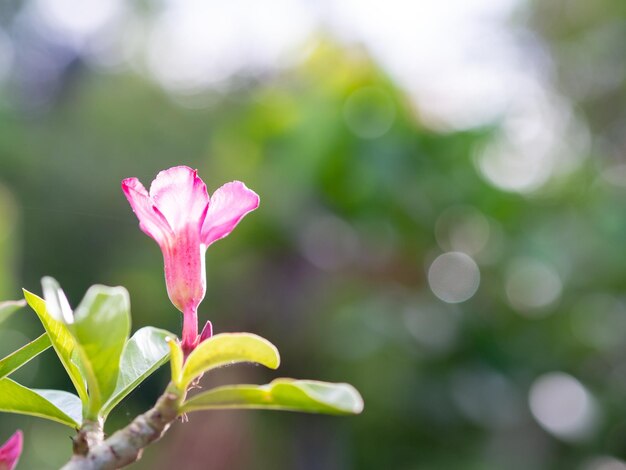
[357, 199]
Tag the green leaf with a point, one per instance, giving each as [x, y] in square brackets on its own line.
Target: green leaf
[144, 353]
[282, 394]
[56, 301]
[228, 348]
[62, 341]
[67, 402]
[176, 362]
[15, 398]
[90, 340]
[17, 359]
[101, 327]
[8, 307]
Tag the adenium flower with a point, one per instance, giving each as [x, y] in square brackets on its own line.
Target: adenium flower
[10, 452]
[178, 214]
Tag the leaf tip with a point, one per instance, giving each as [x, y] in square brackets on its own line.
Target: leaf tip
[31, 299]
[27, 294]
[358, 405]
[276, 359]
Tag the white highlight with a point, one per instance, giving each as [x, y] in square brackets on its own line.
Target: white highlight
[77, 20]
[604, 462]
[454, 277]
[563, 406]
[195, 44]
[463, 63]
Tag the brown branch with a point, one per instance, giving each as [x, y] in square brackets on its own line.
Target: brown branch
[89, 435]
[126, 445]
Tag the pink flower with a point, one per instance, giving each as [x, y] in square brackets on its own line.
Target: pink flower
[10, 452]
[178, 214]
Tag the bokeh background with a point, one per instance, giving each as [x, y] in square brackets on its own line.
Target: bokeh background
[443, 215]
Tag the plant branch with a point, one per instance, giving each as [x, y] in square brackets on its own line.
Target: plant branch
[89, 435]
[126, 445]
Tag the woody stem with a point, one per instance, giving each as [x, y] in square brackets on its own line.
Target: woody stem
[126, 445]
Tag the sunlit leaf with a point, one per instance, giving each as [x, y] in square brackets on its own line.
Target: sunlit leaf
[176, 362]
[145, 352]
[10, 306]
[15, 398]
[229, 348]
[18, 358]
[62, 341]
[101, 327]
[56, 301]
[282, 394]
[67, 402]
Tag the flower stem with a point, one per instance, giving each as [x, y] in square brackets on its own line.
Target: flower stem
[190, 331]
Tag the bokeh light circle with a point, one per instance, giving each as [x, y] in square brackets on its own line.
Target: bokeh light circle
[462, 228]
[454, 277]
[369, 112]
[532, 286]
[562, 406]
[604, 462]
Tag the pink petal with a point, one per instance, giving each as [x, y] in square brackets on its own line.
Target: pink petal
[10, 452]
[180, 195]
[151, 221]
[227, 207]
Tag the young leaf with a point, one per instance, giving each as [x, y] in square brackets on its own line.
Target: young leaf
[101, 327]
[56, 301]
[15, 398]
[18, 358]
[144, 353]
[228, 348]
[62, 341]
[8, 307]
[67, 402]
[281, 394]
[176, 362]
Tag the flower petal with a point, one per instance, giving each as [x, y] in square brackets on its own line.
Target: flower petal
[227, 207]
[181, 196]
[10, 452]
[151, 221]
